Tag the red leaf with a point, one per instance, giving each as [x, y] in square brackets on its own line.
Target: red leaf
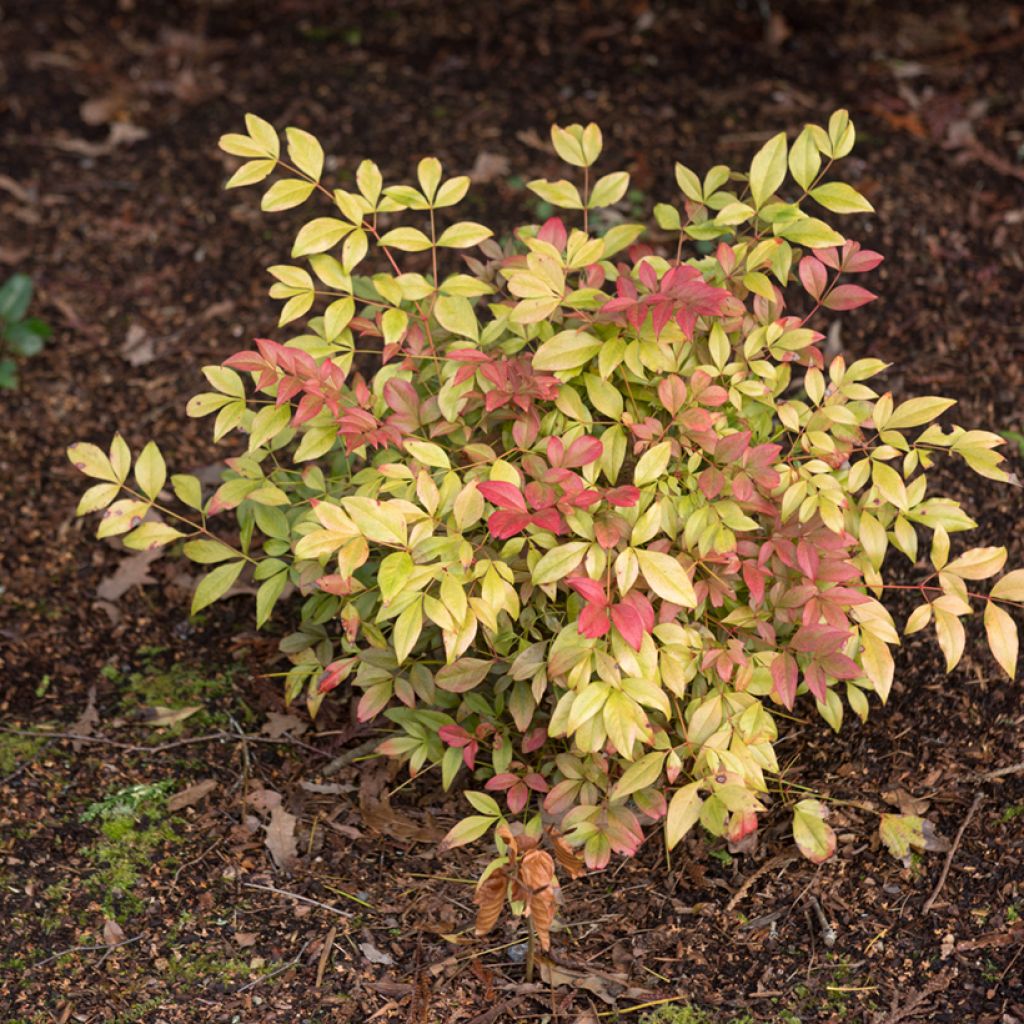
[504, 524]
[848, 296]
[813, 276]
[503, 494]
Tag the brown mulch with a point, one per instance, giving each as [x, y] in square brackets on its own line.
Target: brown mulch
[111, 198]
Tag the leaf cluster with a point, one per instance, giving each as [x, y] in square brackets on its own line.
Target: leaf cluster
[584, 517]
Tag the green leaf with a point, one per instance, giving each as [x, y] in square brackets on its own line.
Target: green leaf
[466, 831]
[392, 575]
[429, 454]
[208, 552]
[96, 497]
[251, 173]
[263, 134]
[689, 184]
[484, 803]
[393, 324]
[464, 235]
[841, 198]
[667, 217]
[150, 536]
[462, 675]
[215, 585]
[563, 194]
[558, 562]
[813, 233]
[150, 470]
[455, 314]
[608, 190]
[188, 490]
[640, 774]
[667, 578]
[267, 424]
[319, 235]
[285, 194]
[305, 152]
[15, 296]
[683, 811]
[768, 169]
[26, 339]
[804, 159]
[92, 461]
[377, 521]
[652, 464]
[408, 627]
[816, 840]
[567, 350]
[267, 595]
[406, 240]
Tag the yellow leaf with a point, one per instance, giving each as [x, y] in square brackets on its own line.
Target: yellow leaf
[978, 563]
[667, 578]
[950, 632]
[1002, 637]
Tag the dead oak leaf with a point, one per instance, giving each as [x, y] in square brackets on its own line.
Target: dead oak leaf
[278, 725]
[191, 795]
[280, 839]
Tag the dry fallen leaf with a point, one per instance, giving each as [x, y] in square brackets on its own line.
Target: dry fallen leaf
[606, 986]
[131, 571]
[488, 167]
[113, 933]
[161, 716]
[374, 955]
[137, 346]
[278, 725]
[190, 796]
[280, 839]
[87, 721]
[245, 939]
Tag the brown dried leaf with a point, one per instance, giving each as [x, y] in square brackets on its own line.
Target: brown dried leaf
[280, 839]
[160, 716]
[566, 857]
[138, 348]
[537, 869]
[605, 986]
[113, 933]
[488, 167]
[87, 721]
[245, 939]
[132, 571]
[542, 912]
[490, 898]
[191, 795]
[278, 725]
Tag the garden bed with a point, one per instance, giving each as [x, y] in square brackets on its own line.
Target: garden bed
[129, 893]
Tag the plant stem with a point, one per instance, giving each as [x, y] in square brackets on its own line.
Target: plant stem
[531, 943]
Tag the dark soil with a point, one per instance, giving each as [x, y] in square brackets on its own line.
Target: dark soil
[111, 198]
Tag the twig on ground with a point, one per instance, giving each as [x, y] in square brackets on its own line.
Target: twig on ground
[828, 933]
[1013, 769]
[347, 757]
[159, 748]
[109, 947]
[979, 797]
[296, 896]
[325, 955]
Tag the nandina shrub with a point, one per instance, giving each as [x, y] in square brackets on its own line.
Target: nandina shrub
[581, 515]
